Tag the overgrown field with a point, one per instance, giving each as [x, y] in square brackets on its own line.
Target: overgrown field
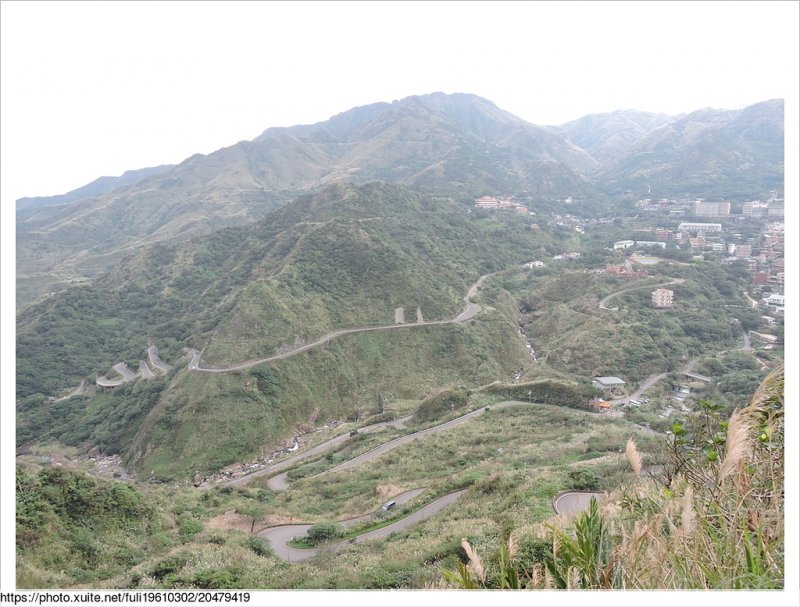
[513, 460]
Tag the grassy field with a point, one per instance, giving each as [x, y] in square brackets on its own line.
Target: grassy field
[514, 461]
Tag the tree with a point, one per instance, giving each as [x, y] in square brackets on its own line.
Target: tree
[253, 511]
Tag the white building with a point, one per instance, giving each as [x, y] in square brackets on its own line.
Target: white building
[662, 298]
[690, 226]
[623, 244]
[608, 383]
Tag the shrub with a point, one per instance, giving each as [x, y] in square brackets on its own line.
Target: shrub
[323, 532]
[437, 405]
[583, 479]
[189, 527]
[259, 546]
[212, 578]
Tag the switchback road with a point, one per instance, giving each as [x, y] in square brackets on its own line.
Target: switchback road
[607, 298]
[278, 537]
[471, 310]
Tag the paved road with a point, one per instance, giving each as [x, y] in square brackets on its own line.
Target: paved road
[79, 391]
[328, 445]
[471, 310]
[279, 536]
[606, 299]
[145, 371]
[123, 370]
[280, 482]
[152, 353]
[573, 501]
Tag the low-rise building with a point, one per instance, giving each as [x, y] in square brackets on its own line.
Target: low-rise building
[608, 383]
[662, 298]
[487, 202]
[701, 208]
[624, 244]
[706, 228]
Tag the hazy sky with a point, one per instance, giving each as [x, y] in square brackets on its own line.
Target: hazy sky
[91, 89]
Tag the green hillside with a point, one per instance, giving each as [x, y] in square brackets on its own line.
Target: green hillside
[342, 258]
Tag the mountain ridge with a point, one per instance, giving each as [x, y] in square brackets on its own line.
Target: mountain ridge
[460, 144]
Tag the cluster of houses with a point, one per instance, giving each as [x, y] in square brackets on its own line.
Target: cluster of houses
[772, 208]
[621, 271]
[506, 202]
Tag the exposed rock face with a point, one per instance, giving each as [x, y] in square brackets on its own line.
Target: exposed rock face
[198, 479]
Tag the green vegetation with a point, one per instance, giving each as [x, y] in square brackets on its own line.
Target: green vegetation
[712, 519]
[571, 333]
[440, 404]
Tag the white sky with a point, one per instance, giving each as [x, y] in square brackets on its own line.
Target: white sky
[91, 89]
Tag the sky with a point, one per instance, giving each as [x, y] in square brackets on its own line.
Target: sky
[91, 89]
[97, 88]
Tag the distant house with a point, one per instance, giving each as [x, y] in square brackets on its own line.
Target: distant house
[601, 405]
[662, 298]
[764, 337]
[533, 264]
[608, 384]
[689, 226]
[623, 244]
[487, 202]
[651, 243]
[776, 301]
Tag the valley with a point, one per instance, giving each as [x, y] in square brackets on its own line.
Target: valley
[290, 380]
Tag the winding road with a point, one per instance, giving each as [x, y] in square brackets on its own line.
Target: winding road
[571, 502]
[607, 298]
[195, 364]
[278, 537]
[280, 482]
[324, 447]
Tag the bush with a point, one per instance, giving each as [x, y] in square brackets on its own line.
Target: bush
[212, 578]
[437, 405]
[548, 391]
[172, 564]
[583, 479]
[259, 546]
[323, 532]
[189, 528]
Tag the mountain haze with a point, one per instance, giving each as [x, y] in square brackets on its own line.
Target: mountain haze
[347, 256]
[605, 136]
[728, 153]
[455, 143]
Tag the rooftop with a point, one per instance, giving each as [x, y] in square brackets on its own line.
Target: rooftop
[609, 380]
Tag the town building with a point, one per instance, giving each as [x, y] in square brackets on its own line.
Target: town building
[624, 244]
[701, 208]
[706, 228]
[487, 202]
[608, 384]
[662, 298]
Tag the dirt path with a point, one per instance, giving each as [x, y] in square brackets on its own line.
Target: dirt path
[471, 310]
[278, 537]
[607, 298]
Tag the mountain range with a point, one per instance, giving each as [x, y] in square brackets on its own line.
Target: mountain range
[460, 145]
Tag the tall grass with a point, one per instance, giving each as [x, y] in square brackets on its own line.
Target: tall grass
[716, 523]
